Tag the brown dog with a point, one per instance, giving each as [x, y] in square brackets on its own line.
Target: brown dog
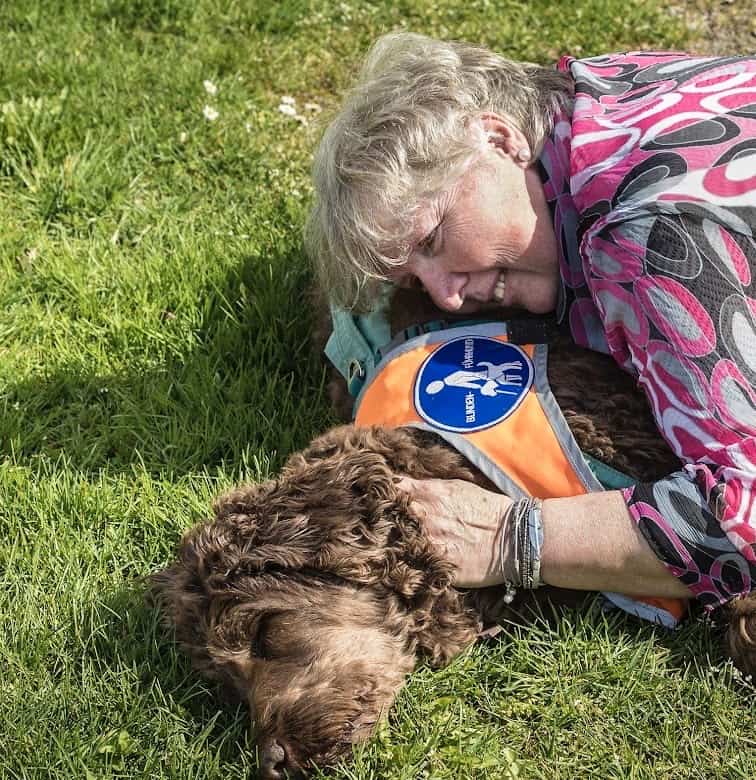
[313, 595]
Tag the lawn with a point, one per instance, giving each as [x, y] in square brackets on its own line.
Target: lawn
[154, 349]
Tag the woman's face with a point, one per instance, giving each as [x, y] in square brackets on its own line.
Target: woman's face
[488, 240]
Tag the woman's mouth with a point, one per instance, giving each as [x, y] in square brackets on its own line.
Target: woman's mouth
[499, 287]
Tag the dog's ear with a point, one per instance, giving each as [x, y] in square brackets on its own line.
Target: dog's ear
[184, 607]
[347, 439]
[445, 627]
[349, 479]
[441, 623]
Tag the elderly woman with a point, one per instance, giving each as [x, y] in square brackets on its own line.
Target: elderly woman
[618, 191]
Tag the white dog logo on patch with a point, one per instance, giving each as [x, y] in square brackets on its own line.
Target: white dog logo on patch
[472, 383]
[490, 381]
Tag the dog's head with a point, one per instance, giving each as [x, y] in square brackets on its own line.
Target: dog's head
[314, 594]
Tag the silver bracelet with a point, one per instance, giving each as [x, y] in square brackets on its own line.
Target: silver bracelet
[535, 530]
[524, 539]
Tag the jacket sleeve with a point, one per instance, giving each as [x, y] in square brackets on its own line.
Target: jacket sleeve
[675, 287]
[683, 518]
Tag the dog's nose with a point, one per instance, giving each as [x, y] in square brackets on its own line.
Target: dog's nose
[274, 760]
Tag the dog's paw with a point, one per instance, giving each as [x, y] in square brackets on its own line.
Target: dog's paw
[741, 633]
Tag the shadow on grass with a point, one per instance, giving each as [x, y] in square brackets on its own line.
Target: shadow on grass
[121, 653]
[250, 386]
[697, 642]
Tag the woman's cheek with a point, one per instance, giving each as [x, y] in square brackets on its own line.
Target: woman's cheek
[537, 293]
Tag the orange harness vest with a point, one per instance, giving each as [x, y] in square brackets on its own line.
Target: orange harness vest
[490, 399]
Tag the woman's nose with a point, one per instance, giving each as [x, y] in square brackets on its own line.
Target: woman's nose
[445, 288]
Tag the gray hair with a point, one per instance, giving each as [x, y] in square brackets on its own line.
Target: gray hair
[402, 137]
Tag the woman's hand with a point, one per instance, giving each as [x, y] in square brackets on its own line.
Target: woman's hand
[466, 523]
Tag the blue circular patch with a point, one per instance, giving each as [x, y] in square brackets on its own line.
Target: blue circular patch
[472, 383]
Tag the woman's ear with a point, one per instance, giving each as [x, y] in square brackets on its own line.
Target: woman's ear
[505, 137]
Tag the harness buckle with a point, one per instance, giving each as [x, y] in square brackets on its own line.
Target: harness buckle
[355, 376]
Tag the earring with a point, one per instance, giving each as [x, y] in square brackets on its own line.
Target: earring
[523, 154]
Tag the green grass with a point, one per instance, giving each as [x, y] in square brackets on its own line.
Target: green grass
[154, 349]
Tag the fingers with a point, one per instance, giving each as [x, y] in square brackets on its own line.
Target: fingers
[407, 484]
[425, 494]
[419, 502]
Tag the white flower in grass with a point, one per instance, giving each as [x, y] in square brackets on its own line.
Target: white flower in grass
[288, 106]
[313, 107]
[210, 113]
[210, 88]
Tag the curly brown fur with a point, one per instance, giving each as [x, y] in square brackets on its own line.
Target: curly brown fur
[314, 594]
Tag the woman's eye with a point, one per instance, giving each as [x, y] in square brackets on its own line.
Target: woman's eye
[412, 283]
[426, 244]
